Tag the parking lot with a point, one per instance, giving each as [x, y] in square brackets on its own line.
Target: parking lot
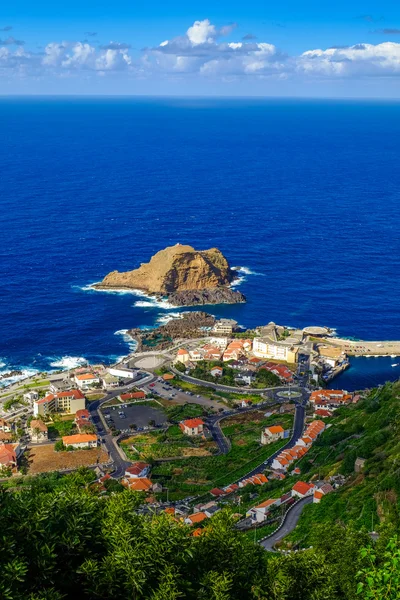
[169, 392]
[122, 416]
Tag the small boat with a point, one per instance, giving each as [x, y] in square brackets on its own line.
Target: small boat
[395, 365]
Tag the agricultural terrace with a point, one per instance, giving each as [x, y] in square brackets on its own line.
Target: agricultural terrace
[202, 370]
[197, 475]
[171, 443]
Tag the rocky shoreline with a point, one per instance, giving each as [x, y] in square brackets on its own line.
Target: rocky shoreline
[190, 326]
[209, 296]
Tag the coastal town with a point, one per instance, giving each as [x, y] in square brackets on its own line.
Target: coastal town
[198, 397]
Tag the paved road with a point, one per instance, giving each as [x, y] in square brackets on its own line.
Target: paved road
[289, 523]
[226, 388]
[298, 427]
[119, 463]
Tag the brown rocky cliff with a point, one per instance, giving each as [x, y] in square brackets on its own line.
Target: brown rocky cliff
[175, 269]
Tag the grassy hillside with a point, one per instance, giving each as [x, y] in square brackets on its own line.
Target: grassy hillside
[370, 499]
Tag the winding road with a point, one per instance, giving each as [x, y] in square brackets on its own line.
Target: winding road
[289, 522]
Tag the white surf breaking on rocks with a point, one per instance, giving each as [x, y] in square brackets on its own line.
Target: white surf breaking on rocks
[25, 372]
[127, 339]
[68, 362]
[243, 273]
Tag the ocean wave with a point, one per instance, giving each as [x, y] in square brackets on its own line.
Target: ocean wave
[128, 340]
[25, 373]
[243, 273]
[247, 271]
[89, 288]
[163, 319]
[68, 362]
[154, 303]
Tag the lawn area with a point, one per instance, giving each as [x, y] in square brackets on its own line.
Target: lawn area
[60, 428]
[199, 475]
[44, 458]
[36, 384]
[165, 444]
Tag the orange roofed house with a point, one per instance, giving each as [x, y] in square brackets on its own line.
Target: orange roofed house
[80, 440]
[330, 399]
[9, 454]
[132, 396]
[302, 489]
[259, 513]
[196, 518]
[192, 427]
[86, 380]
[272, 434]
[182, 356]
[137, 470]
[68, 402]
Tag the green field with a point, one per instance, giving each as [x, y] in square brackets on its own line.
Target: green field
[60, 428]
[199, 475]
[165, 444]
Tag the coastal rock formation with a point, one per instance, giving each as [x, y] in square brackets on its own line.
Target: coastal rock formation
[187, 276]
[189, 325]
[222, 295]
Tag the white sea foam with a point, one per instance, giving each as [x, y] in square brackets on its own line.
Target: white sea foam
[25, 373]
[89, 288]
[243, 272]
[247, 271]
[127, 339]
[163, 319]
[154, 303]
[68, 362]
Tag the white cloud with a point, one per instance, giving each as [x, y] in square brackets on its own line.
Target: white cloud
[202, 51]
[358, 60]
[201, 32]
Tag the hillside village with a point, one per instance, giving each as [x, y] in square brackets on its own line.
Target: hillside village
[85, 417]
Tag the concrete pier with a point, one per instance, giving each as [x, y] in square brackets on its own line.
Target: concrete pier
[362, 348]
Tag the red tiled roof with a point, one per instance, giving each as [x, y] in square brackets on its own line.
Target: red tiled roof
[82, 414]
[217, 492]
[275, 429]
[301, 487]
[136, 468]
[197, 517]
[85, 377]
[132, 396]
[38, 424]
[79, 438]
[193, 423]
[142, 484]
[77, 394]
[7, 454]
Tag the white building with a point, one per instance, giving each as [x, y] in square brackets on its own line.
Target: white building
[219, 342]
[225, 326]
[80, 440]
[86, 380]
[271, 345]
[31, 397]
[260, 513]
[38, 431]
[272, 434]
[122, 372]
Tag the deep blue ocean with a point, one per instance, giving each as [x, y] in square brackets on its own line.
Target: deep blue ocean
[304, 194]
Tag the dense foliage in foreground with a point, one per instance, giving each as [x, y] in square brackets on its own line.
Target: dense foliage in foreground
[60, 539]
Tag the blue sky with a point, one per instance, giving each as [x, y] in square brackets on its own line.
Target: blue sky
[220, 47]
